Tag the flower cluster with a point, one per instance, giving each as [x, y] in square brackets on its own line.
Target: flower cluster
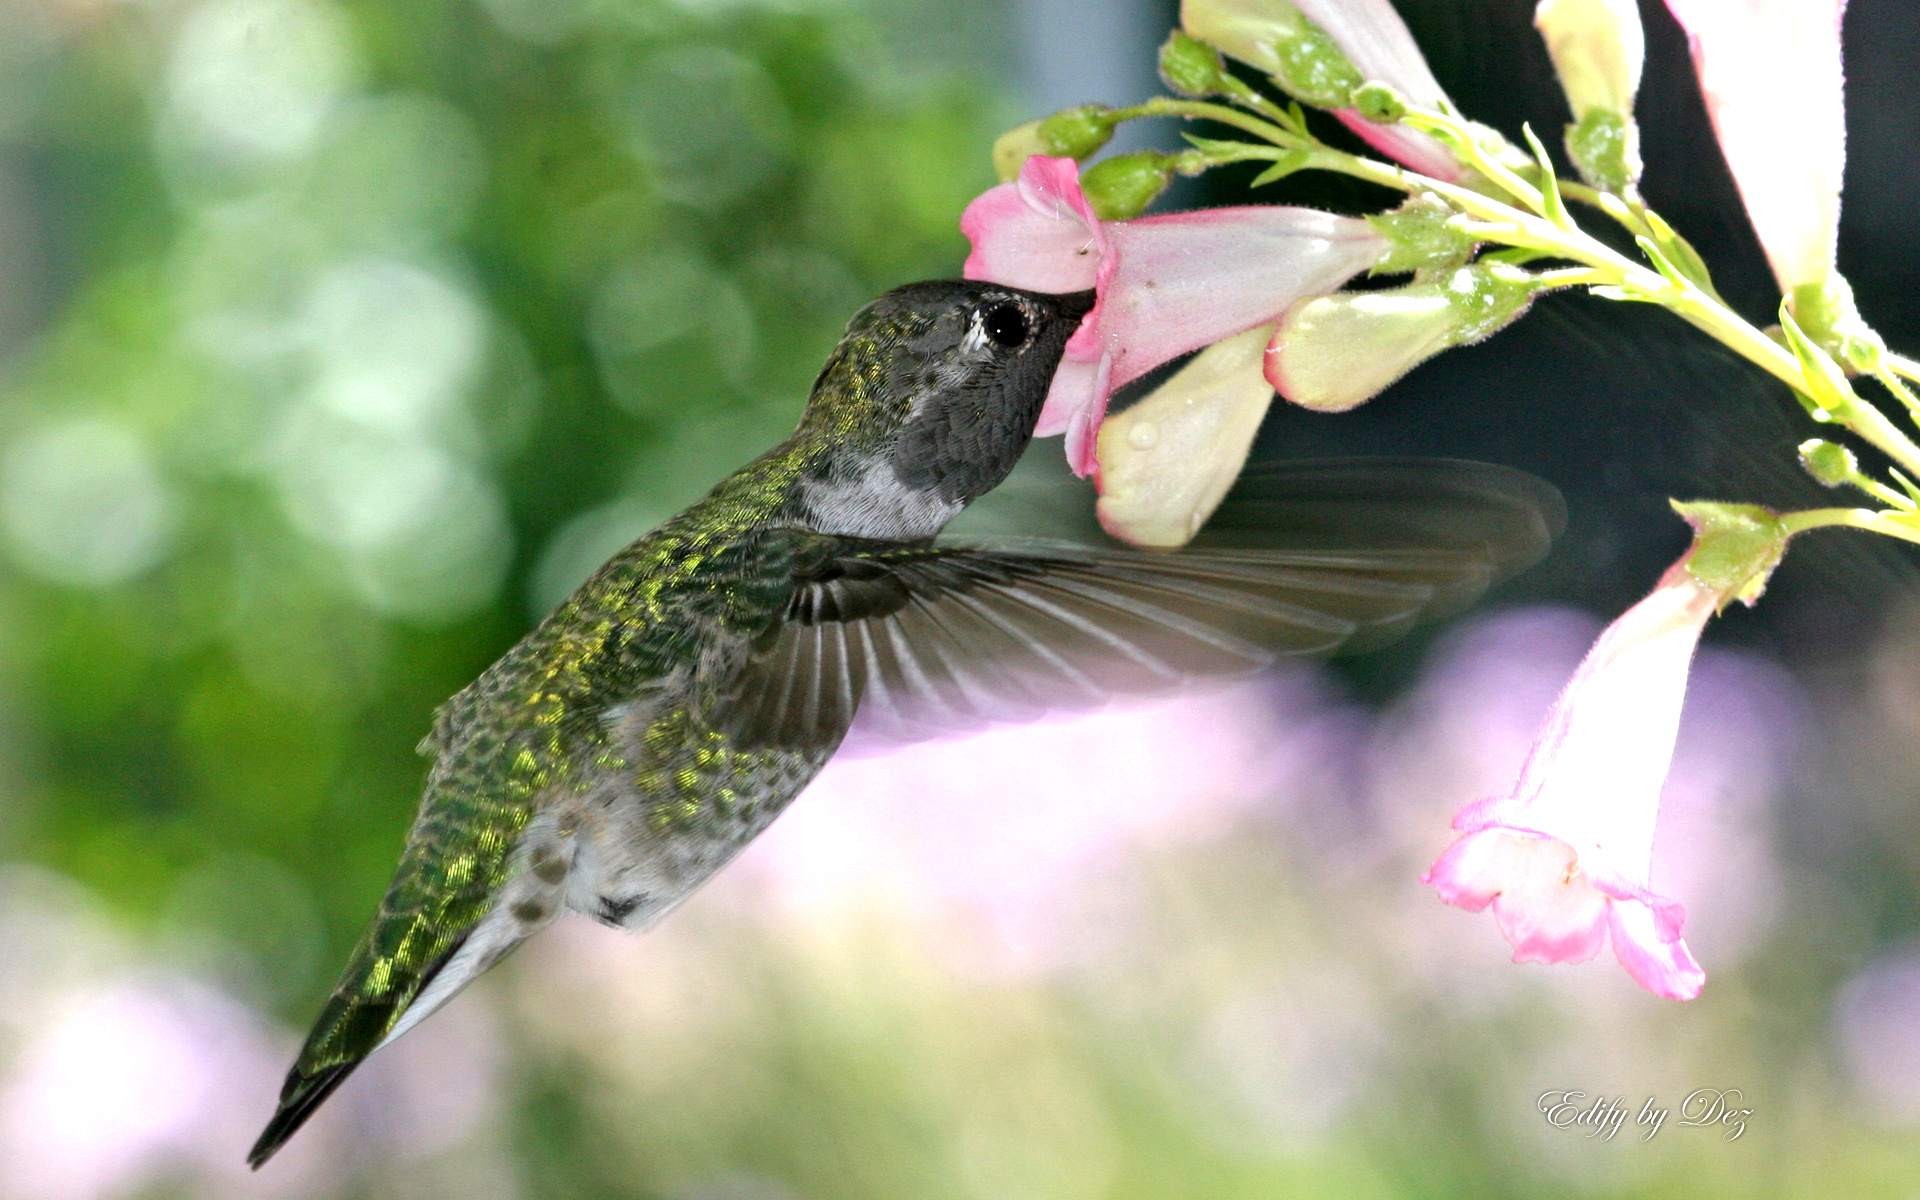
[1563, 859]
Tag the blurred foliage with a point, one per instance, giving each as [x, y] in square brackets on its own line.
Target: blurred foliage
[378, 325]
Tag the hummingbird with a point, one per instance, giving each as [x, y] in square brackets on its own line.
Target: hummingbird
[664, 714]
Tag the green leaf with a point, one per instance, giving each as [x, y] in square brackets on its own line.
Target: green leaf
[1827, 384]
[1282, 167]
[1549, 182]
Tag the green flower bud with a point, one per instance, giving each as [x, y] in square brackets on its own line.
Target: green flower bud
[1077, 132]
[1190, 67]
[1598, 47]
[1120, 188]
[1829, 462]
[1012, 149]
[1333, 353]
[1167, 462]
[1379, 103]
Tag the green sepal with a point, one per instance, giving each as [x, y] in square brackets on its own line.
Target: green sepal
[1312, 68]
[1422, 233]
[1120, 188]
[1283, 166]
[1605, 147]
[1661, 263]
[1826, 384]
[1379, 103]
[1556, 208]
[1680, 253]
[1830, 319]
[1735, 547]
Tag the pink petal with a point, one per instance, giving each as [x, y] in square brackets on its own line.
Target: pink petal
[1076, 388]
[1544, 907]
[1661, 964]
[1573, 842]
[1083, 424]
[1037, 232]
[1594, 775]
[1374, 38]
[1408, 147]
[1187, 280]
[1770, 72]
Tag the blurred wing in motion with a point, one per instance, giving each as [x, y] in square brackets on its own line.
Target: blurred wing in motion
[1301, 559]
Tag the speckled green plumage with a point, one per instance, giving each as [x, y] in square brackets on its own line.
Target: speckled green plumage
[520, 734]
[530, 730]
[594, 767]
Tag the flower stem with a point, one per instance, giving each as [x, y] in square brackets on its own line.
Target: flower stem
[1532, 227]
[1850, 518]
[1903, 366]
[1165, 106]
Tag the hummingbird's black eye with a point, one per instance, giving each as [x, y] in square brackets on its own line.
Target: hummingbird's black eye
[1007, 325]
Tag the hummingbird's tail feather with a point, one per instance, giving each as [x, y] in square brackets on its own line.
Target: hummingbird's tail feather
[302, 1094]
[353, 1024]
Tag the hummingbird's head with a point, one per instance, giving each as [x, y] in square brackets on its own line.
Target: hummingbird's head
[929, 401]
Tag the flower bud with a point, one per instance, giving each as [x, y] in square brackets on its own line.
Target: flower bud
[1191, 67]
[1332, 353]
[1272, 36]
[1120, 188]
[1598, 49]
[1168, 461]
[1013, 148]
[1077, 132]
[1832, 464]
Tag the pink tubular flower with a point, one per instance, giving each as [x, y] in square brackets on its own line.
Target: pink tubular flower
[1377, 41]
[1564, 858]
[1165, 285]
[1368, 33]
[1771, 74]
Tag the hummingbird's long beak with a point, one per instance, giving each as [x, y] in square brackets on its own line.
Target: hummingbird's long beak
[1074, 305]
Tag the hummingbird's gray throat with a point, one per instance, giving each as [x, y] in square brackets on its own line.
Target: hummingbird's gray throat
[929, 402]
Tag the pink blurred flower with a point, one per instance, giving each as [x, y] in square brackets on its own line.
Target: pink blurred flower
[1771, 74]
[1564, 859]
[1166, 285]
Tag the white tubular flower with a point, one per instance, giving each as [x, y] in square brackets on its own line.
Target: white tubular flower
[1166, 462]
[1598, 49]
[1771, 74]
[1332, 353]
